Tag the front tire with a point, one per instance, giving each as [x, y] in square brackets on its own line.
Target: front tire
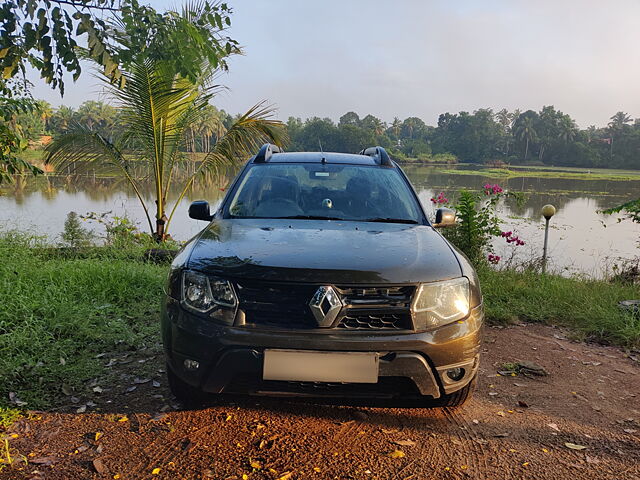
[459, 397]
[182, 390]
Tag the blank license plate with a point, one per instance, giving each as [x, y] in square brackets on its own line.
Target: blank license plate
[314, 366]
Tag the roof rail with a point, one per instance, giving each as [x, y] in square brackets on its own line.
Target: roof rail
[379, 154]
[265, 153]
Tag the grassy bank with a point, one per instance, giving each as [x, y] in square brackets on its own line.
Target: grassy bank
[60, 314]
[57, 314]
[507, 173]
[590, 307]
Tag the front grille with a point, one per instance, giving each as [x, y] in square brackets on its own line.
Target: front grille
[387, 387]
[282, 305]
[276, 304]
[373, 297]
[379, 321]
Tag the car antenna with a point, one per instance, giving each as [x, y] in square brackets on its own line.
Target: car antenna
[323, 160]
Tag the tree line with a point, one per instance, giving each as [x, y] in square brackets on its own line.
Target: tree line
[546, 137]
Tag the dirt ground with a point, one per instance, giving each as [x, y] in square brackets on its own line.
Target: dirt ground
[580, 421]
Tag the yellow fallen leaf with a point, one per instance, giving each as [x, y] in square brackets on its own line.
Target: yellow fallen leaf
[155, 471]
[116, 476]
[14, 435]
[396, 454]
[501, 413]
[245, 476]
[97, 436]
[256, 464]
[574, 446]
[273, 470]
[447, 469]
[229, 417]
[463, 467]
[545, 450]
[316, 469]
[525, 464]
[512, 450]
[285, 476]
[123, 419]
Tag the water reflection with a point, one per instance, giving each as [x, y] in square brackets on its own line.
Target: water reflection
[581, 240]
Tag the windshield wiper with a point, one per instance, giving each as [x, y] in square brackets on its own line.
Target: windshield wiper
[391, 220]
[311, 217]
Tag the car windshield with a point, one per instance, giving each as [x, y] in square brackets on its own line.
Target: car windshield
[325, 191]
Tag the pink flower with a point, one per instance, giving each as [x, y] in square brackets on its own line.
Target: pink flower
[493, 258]
[440, 199]
[492, 189]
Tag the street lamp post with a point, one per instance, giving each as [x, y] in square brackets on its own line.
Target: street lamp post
[548, 211]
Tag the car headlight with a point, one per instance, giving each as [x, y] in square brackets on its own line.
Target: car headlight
[202, 293]
[439, 303]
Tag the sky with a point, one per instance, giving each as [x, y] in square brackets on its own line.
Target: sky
[422, 58]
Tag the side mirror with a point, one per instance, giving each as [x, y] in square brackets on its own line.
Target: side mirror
[199, 210]
[445, 217]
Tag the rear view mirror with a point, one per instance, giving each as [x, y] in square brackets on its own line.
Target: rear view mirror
[445, 217]
[199, 210]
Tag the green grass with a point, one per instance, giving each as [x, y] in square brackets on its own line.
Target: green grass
[7, 417]
[589, 307]
[506, 173]
[57, 314]
[59, 310]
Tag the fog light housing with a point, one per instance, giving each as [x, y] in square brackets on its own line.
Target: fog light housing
[191, 364]
[455, 374]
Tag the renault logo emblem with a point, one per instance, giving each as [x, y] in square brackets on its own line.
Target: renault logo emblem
[325, 305]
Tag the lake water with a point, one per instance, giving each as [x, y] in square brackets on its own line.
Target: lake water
[581, 240]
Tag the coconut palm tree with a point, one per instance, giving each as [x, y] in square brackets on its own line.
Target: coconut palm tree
[525, 132]
[45, 111]
[396, 125]
[62, 118]
[157, 107]
[514, 116]
[568, 128]
[619, 120]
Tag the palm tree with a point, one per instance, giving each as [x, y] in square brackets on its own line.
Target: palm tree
[45, 111]
[396, 125]
[619, 120]
[514, 116]
[62, 118]
[89, 113]
[157, 107]
[568, 128]
[378, 126]
[504, 119]
[616, 125]
[525, 132]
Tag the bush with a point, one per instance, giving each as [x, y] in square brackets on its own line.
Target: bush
[478, 223]
[74, 234]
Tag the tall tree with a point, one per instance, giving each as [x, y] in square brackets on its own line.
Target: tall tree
[619, 120]
[525, 131]
[158, 104]
[568, 129]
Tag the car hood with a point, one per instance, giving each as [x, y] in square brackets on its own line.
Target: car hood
[320, 251]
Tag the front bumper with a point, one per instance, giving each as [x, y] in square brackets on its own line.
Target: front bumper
[230, 359]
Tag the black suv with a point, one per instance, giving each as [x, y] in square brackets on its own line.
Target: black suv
[320, 274]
